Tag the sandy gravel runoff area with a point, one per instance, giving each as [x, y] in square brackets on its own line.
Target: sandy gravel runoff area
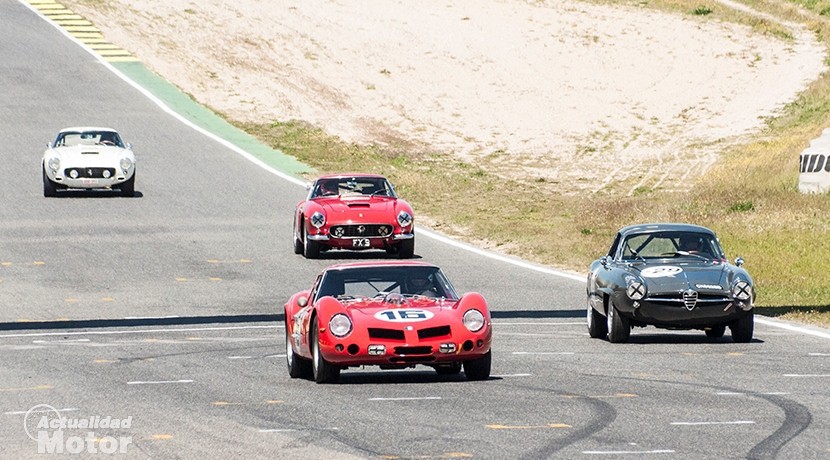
[582, 95]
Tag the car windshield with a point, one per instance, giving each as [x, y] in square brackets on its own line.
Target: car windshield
[363, 282]
[71, 138]
[670, 244]
[345, 186]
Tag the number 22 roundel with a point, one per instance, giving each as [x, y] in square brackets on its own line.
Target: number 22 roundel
[404, 315]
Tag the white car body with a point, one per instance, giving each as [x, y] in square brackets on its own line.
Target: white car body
[88, 158]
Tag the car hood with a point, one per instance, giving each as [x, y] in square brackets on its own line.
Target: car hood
[680, 277]
[379, 209]
[372, 308]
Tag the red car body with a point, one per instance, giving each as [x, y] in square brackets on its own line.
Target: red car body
[365, 313]
[354, 212]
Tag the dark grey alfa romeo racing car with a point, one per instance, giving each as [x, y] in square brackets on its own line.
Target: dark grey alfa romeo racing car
[672, 276]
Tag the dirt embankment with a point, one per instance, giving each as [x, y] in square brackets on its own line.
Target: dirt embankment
[579, 94]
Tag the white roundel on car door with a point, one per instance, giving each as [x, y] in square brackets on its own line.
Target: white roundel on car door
[404, 315]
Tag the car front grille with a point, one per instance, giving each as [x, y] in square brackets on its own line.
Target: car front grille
[688, 299]
[361, 231]
[89, 173]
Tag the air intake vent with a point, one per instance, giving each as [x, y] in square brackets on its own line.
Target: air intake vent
[385, 334]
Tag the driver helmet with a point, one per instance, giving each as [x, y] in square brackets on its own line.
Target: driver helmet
[419, 284]
[329, 188]
[689, 243]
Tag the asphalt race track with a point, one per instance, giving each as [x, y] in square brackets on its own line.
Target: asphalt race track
[165, 309]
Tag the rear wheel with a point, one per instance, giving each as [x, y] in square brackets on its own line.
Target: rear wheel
[128, 188]
[322, 371]
[49, 188]
[743, 328]
[451, 369]
[479, 368]
[715, 332]
[297, 367]
[406, 249]
[619, 328]
[597, 327]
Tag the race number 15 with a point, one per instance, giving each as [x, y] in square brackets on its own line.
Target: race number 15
[403, 315]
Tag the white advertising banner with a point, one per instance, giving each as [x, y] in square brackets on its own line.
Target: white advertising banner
[814, 166]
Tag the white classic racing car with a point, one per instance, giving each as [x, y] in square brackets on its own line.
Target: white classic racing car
[88, 158]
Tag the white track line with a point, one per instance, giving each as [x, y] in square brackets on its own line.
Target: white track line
[141, 331]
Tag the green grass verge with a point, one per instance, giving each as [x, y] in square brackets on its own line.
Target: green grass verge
[749, 197]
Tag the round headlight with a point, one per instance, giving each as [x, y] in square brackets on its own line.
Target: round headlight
[106, 173]
[473, 320]
[126, 163]
[404, 218]
[741, 290]
[636, 290]
[318, 219]
[73, 173]
[54, 164]
[340, 325]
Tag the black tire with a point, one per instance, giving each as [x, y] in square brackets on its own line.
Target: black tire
[743, 328]
[452, 369]
[597, 326]
[479, 368]
[50, 189]
[322, 371]
[406, 249]
[311, 248]
[298, 368]
[298, 242]
[715, 332]
[128, 188]
[619, 328]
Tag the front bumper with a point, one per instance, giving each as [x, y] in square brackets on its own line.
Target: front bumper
[354, 350]
[660, 313]
[90, 182]
[350, 242]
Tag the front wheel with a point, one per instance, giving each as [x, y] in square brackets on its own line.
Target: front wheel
[128, 188]
[311, 248]
[479, 368]
[297, 367]
[619, 328]
[743, 328]
[597, 327]
[322, 371]
[406, 249]
[50, 189]
[298, 242]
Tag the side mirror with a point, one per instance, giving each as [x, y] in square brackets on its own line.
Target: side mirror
[739, 261]
[129, 145]
[302, 301]
[308, 185]
[49, 145]
[604, 261]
